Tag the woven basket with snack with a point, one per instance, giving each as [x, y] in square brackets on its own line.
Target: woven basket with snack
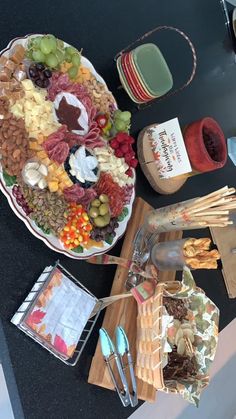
[177, 332]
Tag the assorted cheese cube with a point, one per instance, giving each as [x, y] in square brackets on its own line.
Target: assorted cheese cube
[109, 163]
[57, 178]
[36, 111]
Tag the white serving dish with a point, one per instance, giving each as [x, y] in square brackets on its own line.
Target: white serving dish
[51, 241]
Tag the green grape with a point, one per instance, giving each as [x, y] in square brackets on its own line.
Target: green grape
[117, 113]
[76, 60]
[29, 54]
[46, 45]
[60, 44]
[35, 42]
[71, 50]
[73, 71]
[53, 42]
[51, 60]
[68, 58]
[38, 56]
[60, 56]
[120, 125]
[125, 116]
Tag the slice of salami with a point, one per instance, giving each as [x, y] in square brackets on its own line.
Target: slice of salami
[73, 193]
[59, 152]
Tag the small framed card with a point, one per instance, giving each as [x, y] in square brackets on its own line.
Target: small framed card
[168, 148]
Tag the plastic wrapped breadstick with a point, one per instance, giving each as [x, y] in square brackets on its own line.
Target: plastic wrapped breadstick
[210, 210]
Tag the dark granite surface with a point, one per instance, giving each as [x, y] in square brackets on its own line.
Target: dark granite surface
[49, 389]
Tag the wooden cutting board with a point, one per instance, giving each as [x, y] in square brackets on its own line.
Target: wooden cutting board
[225, 240]
[124, 312]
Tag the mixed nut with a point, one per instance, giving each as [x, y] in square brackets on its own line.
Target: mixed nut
[48, 210]
[13, 141]
[102, 99]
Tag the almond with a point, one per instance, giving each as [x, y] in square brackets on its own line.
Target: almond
[16, 153]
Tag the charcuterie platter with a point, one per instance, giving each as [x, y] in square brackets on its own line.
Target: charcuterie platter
[67, 165]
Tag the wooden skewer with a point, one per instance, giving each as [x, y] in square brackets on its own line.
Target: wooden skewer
[199, 204]
[219, 191]
[225, 224]
[229, 208]
[213, 219]
[213, 212]
[233, 201]
[208, 205]
[229, 192]
[230, 204]
[213, 199]
[195, 224]
[211, 202]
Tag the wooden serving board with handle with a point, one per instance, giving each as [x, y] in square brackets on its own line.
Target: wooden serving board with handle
[225, 239]
[124, 311]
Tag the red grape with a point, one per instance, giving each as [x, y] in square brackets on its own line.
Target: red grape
[118, 153]
[114, 144]
[124, 148]
[133, 162]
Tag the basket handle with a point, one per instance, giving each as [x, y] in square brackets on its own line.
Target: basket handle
[192, 48]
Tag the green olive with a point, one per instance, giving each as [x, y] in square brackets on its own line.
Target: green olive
[95, 203]
[99, 221]
[103, 198]
[93, 212]
[106, 219]
[103, 209]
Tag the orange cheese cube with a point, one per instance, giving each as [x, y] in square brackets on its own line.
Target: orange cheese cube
[35, 146]
[53, 186]
[46, 161]
[41, 138]
[42, 154]
[60, 170]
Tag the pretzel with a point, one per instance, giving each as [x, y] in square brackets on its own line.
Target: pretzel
[197, 254]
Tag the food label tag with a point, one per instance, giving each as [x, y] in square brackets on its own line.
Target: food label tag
[168, 149]
[144, 291]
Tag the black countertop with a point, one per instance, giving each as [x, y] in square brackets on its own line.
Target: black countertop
[48, 389]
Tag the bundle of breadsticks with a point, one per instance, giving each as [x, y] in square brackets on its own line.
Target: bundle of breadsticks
[211, 210]
[198, 256]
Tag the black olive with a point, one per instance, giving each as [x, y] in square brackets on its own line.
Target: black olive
[39, 66]
[33, 72]
[47, 73]
[46, 83]
[39, 83]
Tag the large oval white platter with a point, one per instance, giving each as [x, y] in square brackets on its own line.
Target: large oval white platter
[50, 240]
